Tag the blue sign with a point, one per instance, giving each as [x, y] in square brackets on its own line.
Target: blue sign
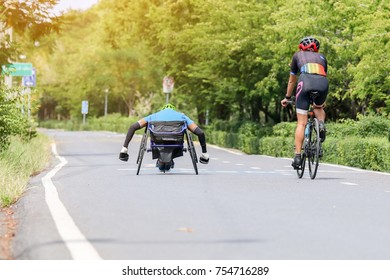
[30, 81]
[84, 107]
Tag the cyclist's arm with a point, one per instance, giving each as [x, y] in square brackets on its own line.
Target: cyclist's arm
[130, 133]
[201, 136]
[291, 84]
[290, 87]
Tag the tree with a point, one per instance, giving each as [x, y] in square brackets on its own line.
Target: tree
[27, 17]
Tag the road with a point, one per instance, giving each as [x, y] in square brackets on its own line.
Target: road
[239, 207]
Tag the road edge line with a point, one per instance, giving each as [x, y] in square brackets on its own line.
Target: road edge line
[77, 244]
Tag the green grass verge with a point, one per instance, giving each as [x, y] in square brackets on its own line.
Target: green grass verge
[18, 163]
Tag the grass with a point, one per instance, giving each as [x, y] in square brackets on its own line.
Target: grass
[20, 161]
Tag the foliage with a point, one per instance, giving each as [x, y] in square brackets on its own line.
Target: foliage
[362, 143]
[366, 153]
[18, 163]
[30, 18]
[369, 126]
[12, 122]
[229, 58]
[112, 122]
[230, 61]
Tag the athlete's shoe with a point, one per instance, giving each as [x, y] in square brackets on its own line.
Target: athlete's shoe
[204, 158]
[123, 155]
[296, 164]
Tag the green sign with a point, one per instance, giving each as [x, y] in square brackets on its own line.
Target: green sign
[18, 69]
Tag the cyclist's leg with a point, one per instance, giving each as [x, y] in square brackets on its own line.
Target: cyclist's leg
[302, 105]
[300, 132]
[322, 88]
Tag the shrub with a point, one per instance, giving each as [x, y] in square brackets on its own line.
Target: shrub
[12, 122]
[284, 129]
[277, 146]
[367, 153]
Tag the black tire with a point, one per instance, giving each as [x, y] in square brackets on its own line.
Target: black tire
[314, 149]
[142, 149]
[191, 149]
[302, 168]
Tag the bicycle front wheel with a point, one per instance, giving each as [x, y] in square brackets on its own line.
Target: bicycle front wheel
[191, 149]
[314, 149]
[301, 170]
[142, 149]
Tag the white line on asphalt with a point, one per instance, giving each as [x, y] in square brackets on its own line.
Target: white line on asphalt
[226, 150]
[75, 241]
[349, 184]
[226, 161]
[255, 167]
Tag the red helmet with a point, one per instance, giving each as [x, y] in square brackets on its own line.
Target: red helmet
[309, 43]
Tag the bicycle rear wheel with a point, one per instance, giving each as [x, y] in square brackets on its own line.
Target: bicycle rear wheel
[314, 149]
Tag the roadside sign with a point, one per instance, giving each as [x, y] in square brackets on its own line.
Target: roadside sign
[84, 107]
[168, 84]
[30, 81]
[18, 69]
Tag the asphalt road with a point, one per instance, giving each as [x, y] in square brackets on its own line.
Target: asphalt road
[241, 207]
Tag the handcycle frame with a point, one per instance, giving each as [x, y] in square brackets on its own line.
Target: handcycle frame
[312, 142]
[167, 143]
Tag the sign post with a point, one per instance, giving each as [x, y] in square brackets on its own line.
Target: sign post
[168, 84]
[84, 109]
[29, 81]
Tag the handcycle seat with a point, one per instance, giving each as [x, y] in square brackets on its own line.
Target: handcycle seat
[167, 139]
[167, 132]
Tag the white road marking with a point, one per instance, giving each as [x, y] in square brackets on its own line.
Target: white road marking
[349, 184]
[259, 172]
[226, 150]
[239, 164]
[255, 167]
[75, 241]
[226, 161]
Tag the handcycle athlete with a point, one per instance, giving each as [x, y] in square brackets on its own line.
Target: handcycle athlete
[313, 68]
[167, 113]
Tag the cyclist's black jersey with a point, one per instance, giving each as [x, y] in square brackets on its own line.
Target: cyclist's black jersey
[309, 63]
[313, 68]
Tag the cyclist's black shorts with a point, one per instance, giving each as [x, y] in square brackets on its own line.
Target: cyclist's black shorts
[306, 84]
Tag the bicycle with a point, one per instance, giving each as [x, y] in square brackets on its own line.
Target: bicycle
[312, 146]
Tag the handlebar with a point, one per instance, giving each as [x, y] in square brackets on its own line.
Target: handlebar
[291, 101]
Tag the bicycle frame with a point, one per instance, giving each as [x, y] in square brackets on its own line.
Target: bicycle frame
[311, 144]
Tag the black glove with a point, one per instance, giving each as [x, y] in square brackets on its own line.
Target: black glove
[124, 156]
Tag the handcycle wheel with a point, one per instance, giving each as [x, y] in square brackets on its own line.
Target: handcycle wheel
[142, 149]
[314, 148]
[303, 163]
[191, 149]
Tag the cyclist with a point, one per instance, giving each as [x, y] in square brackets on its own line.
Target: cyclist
[313, 68]
[167, 113]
